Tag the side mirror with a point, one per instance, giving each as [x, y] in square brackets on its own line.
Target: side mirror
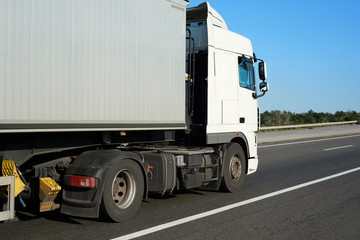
[262, 71]
[264, 87]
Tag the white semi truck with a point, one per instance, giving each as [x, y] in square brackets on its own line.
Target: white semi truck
[105, 101]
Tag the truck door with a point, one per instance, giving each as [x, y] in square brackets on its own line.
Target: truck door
[248, 108]
[227, 89]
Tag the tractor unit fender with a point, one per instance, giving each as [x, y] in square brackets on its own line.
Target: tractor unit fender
[243, 142]
[83, 202]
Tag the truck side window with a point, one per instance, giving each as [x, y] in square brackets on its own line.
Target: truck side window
[246, 74]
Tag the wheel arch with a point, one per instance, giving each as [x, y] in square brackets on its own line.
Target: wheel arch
[96, 163]
[225, 138]
[242, 141]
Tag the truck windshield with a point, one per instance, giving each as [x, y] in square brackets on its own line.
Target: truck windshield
[246, 74]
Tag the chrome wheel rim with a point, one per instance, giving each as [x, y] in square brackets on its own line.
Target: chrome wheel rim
[123, 189]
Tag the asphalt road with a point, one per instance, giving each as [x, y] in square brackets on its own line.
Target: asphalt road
[328, 208]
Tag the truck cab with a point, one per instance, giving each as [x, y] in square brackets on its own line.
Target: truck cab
[225, 99]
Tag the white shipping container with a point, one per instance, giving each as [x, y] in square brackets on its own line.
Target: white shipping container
[81, 64]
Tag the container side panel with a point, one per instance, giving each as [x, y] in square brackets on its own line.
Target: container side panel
[92, 61]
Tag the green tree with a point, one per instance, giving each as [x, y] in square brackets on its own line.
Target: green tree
[280, 118]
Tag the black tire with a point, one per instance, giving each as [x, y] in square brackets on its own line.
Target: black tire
[233, 168]
[123, 191]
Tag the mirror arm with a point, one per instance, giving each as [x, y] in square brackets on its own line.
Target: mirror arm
[255, 96]
[257, 59]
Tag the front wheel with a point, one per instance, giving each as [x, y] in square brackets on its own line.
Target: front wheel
[234, 168]
[123, 191]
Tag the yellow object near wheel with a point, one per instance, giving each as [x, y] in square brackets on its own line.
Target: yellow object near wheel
[49, 189]
[8, 168]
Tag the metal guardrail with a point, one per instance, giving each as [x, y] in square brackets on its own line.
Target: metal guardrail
[308, 125]
[9, 206]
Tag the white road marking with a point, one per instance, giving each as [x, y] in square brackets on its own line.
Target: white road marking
[229, 207]
[335, 148]
[308, 141]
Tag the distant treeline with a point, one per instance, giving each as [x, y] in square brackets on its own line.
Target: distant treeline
[280, 118]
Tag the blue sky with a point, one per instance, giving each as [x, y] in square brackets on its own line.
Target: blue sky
[312, 50]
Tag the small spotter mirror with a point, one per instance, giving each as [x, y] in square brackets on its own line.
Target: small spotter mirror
[264, 87]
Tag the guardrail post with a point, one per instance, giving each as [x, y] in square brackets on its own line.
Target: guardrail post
[9, 203]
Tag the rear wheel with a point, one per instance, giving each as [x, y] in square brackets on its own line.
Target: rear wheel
[123, 192]
[234, 168]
